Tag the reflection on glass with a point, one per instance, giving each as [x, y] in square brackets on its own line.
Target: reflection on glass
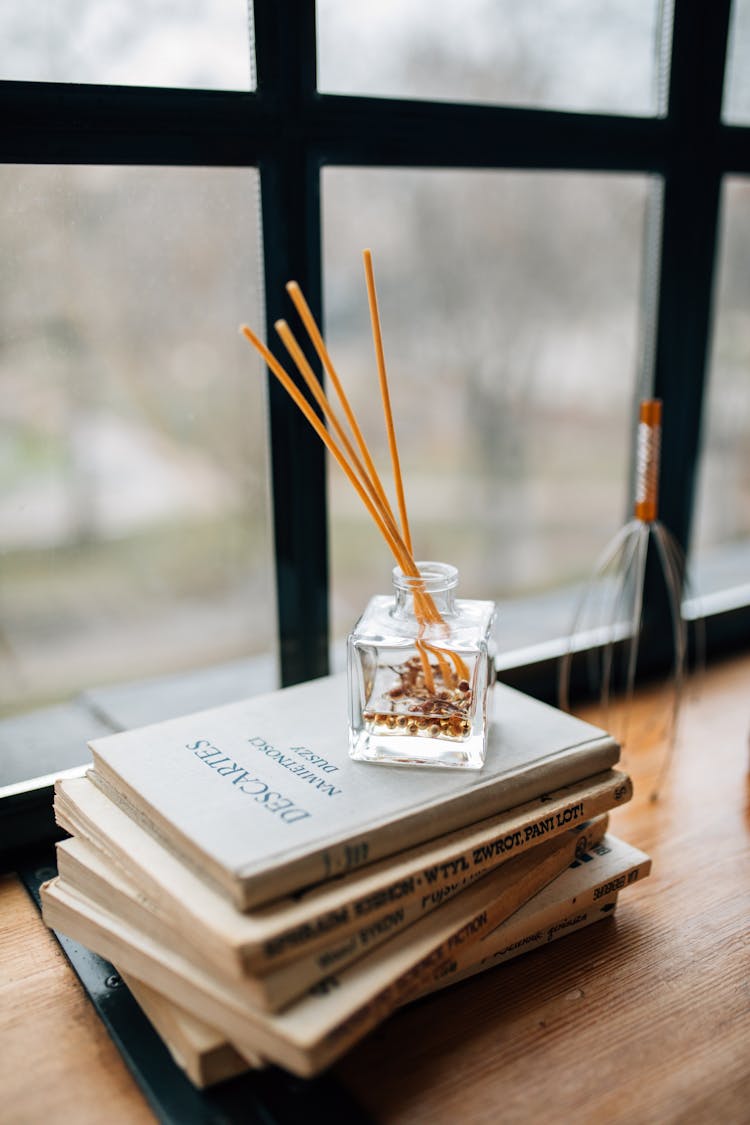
[721, 539]
[133, 526]
[199, 44]
[737, 78]
[510, 310]
[560, 54]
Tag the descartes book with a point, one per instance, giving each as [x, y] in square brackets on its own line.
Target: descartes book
[261, 797]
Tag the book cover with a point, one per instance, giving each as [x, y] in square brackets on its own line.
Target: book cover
[326, 928]
[317, 1029]
[262, 797]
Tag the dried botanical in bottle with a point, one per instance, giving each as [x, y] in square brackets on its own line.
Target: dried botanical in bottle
[420, 664]
[420, 667]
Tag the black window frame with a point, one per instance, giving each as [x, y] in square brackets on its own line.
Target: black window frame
[290, 131]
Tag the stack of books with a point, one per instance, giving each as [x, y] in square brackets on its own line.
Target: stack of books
[270, 900]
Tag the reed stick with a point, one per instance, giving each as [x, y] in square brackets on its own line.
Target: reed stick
[402, 556]
[369, 487]
[445, 668]
[377, 337]
[424, 604]
[312, 381]
[429, 679]
[307, 318]
[462, 671]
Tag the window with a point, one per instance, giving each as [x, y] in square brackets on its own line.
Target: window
[199, 44]
[721, 542]
[553, 54]
[608, 177]
[133, 498]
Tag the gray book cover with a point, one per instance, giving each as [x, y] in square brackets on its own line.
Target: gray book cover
[262, 797]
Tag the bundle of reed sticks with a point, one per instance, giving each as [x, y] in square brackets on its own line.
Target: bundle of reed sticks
[359, 467]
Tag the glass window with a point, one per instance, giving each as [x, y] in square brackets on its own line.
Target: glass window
[510, 313]
[203, 44]
[133, 480]
[721, 539]
[737, 77]
[560, 54]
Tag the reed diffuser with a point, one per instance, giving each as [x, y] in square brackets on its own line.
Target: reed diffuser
[420, 660]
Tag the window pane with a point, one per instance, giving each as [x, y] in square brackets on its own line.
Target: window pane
[133, 514]
[202, 44]
[561, 54]
[737, 79]
[721, 553]
[510, 312]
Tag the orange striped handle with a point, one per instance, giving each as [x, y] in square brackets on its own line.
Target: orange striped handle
[647, 461]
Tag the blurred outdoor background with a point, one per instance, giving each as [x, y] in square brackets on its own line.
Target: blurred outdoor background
[517, 312]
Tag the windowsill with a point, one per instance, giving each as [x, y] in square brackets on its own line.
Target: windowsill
[525, 1033]
[54, 738]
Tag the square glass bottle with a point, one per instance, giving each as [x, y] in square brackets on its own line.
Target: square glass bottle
[421, 665]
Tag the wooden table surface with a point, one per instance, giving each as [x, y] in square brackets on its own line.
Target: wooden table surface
[644, 1017]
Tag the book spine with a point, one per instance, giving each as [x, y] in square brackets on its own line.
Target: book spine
[573, 919]
[496, 943]
[289, 982]
[412, 889]
[294, 978]
[520, 932]
[531, 874]
[494, 947]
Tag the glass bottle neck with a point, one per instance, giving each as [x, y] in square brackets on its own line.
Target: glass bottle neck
[434, 589]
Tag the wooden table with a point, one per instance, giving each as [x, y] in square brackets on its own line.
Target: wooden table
[644, 1017]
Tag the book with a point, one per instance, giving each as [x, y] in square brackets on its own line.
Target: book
[296, 941]
[585, 893]
[320, 1027]
[261, 796]
[206, 1056]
